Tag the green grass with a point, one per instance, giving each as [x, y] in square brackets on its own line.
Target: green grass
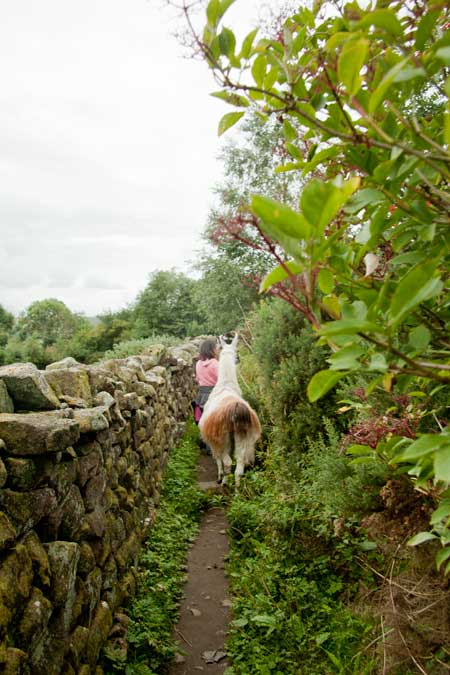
[154, 611]
[292, 585]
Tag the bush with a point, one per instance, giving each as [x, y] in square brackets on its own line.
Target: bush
[293, 580]
[285, 357]
[132, 347]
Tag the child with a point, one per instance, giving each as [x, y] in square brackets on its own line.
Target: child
[206, 373]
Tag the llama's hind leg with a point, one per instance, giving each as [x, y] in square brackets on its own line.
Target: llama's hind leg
[226, 458]
[219, 469]
[244, 453]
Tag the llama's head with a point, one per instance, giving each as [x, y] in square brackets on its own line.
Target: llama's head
[229, 347]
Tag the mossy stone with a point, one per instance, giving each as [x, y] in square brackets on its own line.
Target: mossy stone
[8, 533]
[87, 559]
[23, 473]
[37, 433]
[6, 404]
[16, 577]
[98, 632]
[89, 464]
[77, 645]
[70, 384]
[39, 557]
[73, 512]
[33, 623]
[63, 557]
[3, 473]
[26, 509]
[28, 388]
[15, 662]
[128, 552]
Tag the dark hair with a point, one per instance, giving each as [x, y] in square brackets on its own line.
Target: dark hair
[208, 350]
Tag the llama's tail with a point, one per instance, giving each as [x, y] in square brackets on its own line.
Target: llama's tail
[239, 418]
[234, 417]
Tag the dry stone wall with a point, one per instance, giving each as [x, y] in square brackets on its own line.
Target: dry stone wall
[82, 451]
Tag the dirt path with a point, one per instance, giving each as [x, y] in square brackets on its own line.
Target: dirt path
[204, 612]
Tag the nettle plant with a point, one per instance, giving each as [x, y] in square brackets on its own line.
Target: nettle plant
[368, 246]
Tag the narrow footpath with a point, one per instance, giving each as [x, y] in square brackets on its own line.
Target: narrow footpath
[205, 608]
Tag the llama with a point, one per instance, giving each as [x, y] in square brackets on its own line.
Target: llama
[228, 419]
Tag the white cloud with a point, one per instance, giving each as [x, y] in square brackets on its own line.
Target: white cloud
[108, 145]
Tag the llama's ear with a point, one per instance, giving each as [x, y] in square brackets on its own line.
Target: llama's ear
[235, 339]
[222, 341]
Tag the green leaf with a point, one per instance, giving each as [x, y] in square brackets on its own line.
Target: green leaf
[290, 133]
[425, 29]
[247, 44]
[325, 279]
[424, 445]
[227, 42]
[442, 556]
[332, 305]
[378, 363]
[279, 273]
[322, 382]
[349, 327]
[357, 449]
[442, 463]
[380, 92]
[420, 538]
[409, 74]
[293, 151]
[382, 18]
[320, 202]
[367, 545]
[259, 69]
[415, 287]
[283, 217]
[231, 98]
[298, 41]
[270, 78]
[351, 60]
[213, 12]
[419, 337]
[346, 358]
[444, 55]
[229, 120]
[443, 511]
[224, 4]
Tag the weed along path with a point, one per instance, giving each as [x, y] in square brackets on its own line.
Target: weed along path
[204, 611]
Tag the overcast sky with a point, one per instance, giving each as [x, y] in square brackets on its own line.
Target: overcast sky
[108, 146]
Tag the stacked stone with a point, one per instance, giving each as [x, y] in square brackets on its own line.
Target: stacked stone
[82, 451]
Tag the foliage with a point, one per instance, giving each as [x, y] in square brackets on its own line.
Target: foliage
[223, 295]
[133, 347]
[291, 578]
[153, 612]
[6, 325]
[92, 342]
[368, 244]
[287, 356]
[48, 321]
[167, 306]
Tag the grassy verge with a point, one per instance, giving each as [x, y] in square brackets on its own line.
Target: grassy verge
[154, 610]
[293, 583]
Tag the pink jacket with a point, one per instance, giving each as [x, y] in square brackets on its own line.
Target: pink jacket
[207, 372]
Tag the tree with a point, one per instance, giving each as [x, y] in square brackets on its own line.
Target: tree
[239, 254]
[224, 294]
[167, 306]
[368, 243]
[48, 321]
[6, 325]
